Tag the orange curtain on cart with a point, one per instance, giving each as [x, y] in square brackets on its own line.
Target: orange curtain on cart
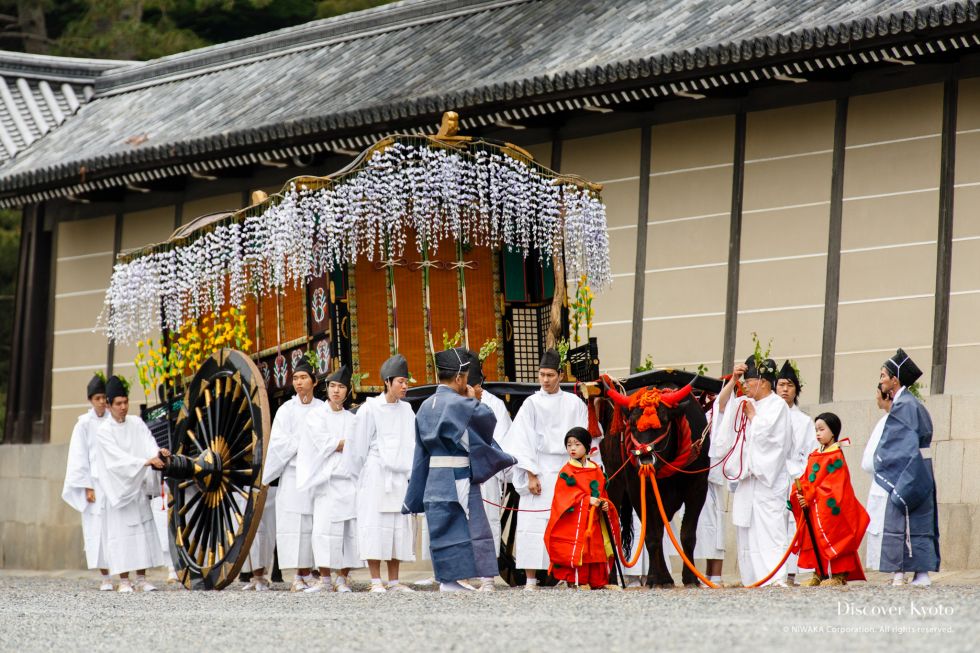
[371, 335]
[481, 300]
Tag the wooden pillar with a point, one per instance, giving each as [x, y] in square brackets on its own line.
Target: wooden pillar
[832, 295]
[944, 241]
[639, 275]
[734, 245]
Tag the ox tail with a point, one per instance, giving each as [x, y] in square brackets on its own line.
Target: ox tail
[625, 509]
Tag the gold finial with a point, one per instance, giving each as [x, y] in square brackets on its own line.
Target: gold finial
[259, 196]
[449, 129]
[450, 125]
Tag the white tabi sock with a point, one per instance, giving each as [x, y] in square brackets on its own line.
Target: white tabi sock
[392, 583]
[714, 579]
[532, 581]
[376, 581]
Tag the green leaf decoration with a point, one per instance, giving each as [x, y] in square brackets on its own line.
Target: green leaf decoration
[562, 347]
[569, 480]
[812, 477]
[757, 354]
[916, 390]
[835, 511]
[488, 348]
[816, 467]
[831, 502]
[312, 358]
[594, 487]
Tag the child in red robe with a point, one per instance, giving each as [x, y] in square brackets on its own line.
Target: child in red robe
[578, 536]
[838, 518]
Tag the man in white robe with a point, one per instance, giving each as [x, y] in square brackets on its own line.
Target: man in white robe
[323, 469]
[294, 507]
[492, 490]
[537, 440]
[81, 490]
[877, 495]
[126, 461]
[759, 464]
[788, 387]
[382, 451]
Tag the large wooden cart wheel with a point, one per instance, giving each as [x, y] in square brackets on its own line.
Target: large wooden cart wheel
[215, 472]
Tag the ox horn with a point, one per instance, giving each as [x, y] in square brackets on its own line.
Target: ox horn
[620, 400]
[675, 397]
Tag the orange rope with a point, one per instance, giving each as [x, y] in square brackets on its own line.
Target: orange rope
[799, 529]
[641, 542]
[690, 565]
[670, 532]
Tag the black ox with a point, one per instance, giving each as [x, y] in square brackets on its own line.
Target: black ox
[675, 447]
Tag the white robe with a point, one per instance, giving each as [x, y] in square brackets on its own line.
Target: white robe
[382, 451]
[760, 464]
[492, 490]
[537, 440]
[804, 442]
[130, 536]
[877, 498]
[81, 474]
[325, 473]
[294, 507]
[262, 553]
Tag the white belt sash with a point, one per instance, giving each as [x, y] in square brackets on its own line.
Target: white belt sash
[454, 462]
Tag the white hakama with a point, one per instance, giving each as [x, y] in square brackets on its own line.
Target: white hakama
[537, 440]
[492, 490]
[81, 474]
[130, 535]
[294, 507]
[877, 499]
[382, 451]
[760, 465]
[325, 473]
[261, 555]
[804, 442]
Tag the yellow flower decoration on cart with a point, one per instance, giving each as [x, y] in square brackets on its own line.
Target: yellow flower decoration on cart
[169, 361]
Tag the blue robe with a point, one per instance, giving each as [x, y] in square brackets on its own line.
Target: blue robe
[459, 431]
[910, 536]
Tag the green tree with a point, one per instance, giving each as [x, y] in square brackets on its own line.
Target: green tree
[116, 29]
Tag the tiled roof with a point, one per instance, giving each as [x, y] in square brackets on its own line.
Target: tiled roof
[39, 93]
[405, 63]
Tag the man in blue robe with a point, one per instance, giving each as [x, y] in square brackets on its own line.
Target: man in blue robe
[454, 454]
[903, 468]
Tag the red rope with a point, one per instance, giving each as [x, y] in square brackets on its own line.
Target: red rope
[513, 509]
[742, 424]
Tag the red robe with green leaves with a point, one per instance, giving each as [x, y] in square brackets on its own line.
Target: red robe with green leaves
[577, 554]
[839, 520]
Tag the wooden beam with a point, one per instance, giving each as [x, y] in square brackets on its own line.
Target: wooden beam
[639, 275]
[944, 249]
[116, 247]
[734, 245]
[828, 350]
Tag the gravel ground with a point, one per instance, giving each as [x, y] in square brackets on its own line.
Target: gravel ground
[45, 612]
